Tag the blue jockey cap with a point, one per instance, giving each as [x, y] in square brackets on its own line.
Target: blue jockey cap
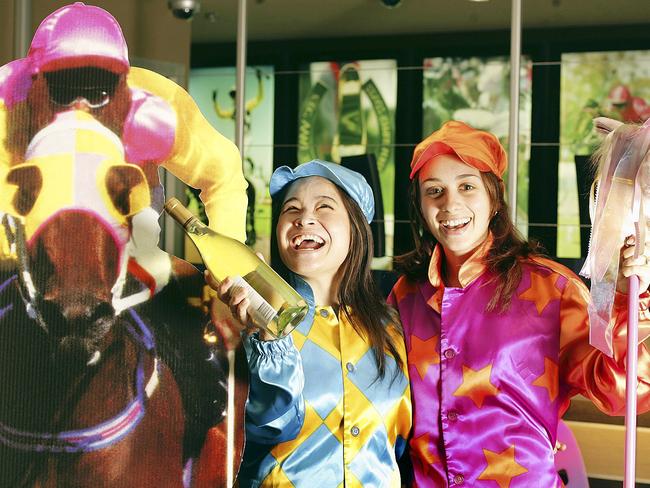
[353, 183]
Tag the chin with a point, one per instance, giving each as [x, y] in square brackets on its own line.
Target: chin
[305, 271]
[461, 250]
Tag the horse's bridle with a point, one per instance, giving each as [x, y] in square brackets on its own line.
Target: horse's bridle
[105, 433]
[15, 233]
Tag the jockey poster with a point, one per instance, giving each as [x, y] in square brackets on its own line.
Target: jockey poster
[346, 110]
[213, 89]
[112, 372]
[477, 91]
[614, 84]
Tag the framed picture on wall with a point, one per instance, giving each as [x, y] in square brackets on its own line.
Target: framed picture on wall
[213, 89]
[477, 91]
[614, 84]
[347, 115]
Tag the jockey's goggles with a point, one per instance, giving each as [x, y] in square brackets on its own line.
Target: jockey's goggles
[95, 86]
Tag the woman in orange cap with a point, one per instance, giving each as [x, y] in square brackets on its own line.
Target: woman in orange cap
[497, 336]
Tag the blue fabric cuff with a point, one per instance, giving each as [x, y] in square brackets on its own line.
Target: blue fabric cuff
[275, 347]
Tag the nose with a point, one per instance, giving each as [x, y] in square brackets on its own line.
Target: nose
[74, 314]
[450, 202]
[81, 104]
[304, 219]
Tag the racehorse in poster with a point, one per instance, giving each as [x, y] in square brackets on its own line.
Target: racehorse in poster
[100, 389]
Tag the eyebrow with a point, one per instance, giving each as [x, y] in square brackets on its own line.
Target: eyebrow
[317, 197]
[459, 177]
[328, 197]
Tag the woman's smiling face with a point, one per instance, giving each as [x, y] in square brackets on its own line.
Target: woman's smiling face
[313, 229]
[455, 204]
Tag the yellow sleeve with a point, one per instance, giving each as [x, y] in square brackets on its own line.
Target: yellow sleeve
[201, 157]
[5, 161]
[5, 191]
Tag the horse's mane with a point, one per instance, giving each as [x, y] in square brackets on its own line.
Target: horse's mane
[612, 135]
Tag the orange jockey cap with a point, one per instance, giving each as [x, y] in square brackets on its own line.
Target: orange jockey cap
[474, 147]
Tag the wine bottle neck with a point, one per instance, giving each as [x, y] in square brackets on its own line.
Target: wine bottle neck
[184, 217]
[195, 226]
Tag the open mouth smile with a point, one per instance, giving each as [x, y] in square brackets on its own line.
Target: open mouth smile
[309, 242]
[455, 224]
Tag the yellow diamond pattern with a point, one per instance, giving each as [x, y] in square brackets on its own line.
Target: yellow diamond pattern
[351, 481]
[329, 334]
[312, 422]
[298, 339]
[367, 424]
[279, 478]
[334, 420]
[326, 338]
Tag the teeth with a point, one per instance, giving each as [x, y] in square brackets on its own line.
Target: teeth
[307, 237]
[455, 222]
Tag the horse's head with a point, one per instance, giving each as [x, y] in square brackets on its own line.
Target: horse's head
[625, 153]
[620, 207]
[76, 196]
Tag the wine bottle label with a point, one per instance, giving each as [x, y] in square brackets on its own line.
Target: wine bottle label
[261, 313]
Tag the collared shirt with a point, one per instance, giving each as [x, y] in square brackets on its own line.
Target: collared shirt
[343, 428]
[489, 388]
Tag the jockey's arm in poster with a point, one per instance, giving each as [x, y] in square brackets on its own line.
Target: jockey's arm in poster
[163, 127]
[200, 156]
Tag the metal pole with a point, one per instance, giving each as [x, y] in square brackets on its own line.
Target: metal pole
[631, 381]
[513, 135]
[22, 27]
[240, 92]
[240, 113]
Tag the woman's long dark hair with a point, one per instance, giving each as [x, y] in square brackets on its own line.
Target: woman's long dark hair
[503, 259]
[358, 290]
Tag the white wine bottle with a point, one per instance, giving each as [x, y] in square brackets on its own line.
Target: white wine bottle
[274, 305]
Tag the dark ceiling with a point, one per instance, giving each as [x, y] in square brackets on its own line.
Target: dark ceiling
[301, 19]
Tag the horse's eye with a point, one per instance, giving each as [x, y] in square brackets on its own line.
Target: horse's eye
[128, 189]
[29, 181]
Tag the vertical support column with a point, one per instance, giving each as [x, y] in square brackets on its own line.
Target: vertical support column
[285, 133]
[513, 136]
[240, 113]
[240, 97]
[22, 27]
[631, 379]
[408, 126]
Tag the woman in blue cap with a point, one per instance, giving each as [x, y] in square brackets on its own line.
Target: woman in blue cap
[329, 405]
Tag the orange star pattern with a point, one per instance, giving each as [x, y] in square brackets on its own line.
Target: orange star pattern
[501, 467]
[549, 379]
[477, 385]
[423, 354]
[541, 292]
[403, 288]
[422, 445]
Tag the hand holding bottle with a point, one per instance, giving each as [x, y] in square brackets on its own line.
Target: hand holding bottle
[236, 297]
[272, 304]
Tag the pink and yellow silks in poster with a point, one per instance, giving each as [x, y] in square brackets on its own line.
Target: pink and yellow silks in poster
[107, 379]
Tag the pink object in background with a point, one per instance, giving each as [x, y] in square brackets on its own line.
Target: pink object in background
[570, 459]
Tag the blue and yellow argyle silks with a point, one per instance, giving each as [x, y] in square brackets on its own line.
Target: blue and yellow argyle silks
[340, 426]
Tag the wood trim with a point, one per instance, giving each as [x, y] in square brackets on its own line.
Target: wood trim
[583, 410]
[603, 448]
